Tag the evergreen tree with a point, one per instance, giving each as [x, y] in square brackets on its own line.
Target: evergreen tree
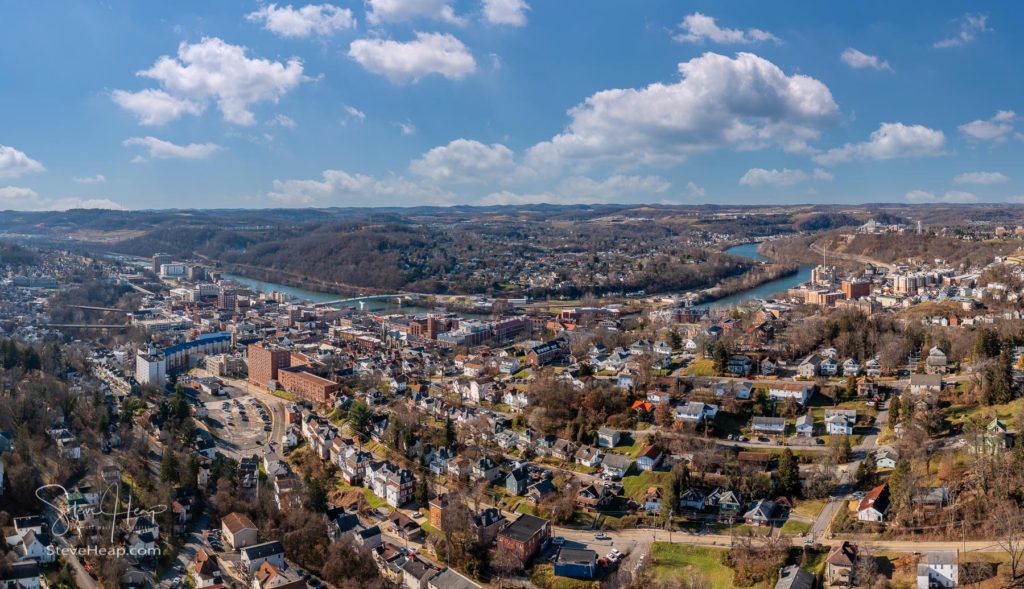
[720, 357]
[169, 467]
[789, 474]
[359, 417]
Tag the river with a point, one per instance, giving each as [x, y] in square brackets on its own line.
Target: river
[763, 291]
[323, 297]
[747, 250]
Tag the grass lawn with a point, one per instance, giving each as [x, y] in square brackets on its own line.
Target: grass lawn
[285, 395]
[793, 527]
[635, 487]
[543, 576]
[1007, 412]
[429, 529]
[809, 507]
[630, 445]
[700, 367]
[676, 561]
[372, 500]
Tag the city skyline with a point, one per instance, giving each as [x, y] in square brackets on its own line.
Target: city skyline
[441, 102]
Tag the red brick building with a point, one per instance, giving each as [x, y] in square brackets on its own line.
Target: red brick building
[524, 537]
[856, 289]
[307, 385]
[265, 361]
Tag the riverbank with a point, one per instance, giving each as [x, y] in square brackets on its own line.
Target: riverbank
[764, 280]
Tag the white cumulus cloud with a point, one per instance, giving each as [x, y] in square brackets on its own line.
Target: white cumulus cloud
[210, 70]
[312, 19]
[158, 149]
[14, 163]
[860, 60]
[980, 178]
[890, 141]
[996, 129]
[757, 177]
[506, 12]
[949, 197]
[745, 102]
[698, 28]
[339, 186]
[465, 160]
[401, 62]
[391, 11]
[97, 179]
[970, 26]
[354, 114]
[10, 194]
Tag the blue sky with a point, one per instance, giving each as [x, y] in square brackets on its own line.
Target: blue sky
[405, 102]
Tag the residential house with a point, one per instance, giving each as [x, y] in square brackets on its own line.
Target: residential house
[650, 457]
[729, 502]
[575, 563]
[925, 384]
[450, 579]
[652, 500]
[588, 456]
[828, 367]
[487, 522]
[616, 465]
[886, 457]
[595, 496]
[840, 421]
[206, 570]
[538, 492]
[608, 438]
[516, 481]
[269, 576]
[523, 537]
[20, 575]
[839, 565]
[696, 412]
[805, 426]
[563, 450]
[936, 361]
[939, 569]
[794, 577]
[768, 425]
[484, 469]
[761, 513]
[851, 367]
[808, 367]
[252, 557]
[692, 499]
[238, 530]
[875, 504]
[780, 391]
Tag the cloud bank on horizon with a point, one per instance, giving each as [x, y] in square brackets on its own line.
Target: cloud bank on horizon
[407, 102]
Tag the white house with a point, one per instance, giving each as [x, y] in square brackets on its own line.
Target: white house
[805, 426]
[254, 556]
[939, 569]
[840, 421]
[798, 391]
[695, 412]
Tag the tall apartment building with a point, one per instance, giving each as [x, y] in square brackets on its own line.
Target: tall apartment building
[306, 384]
[160, 260]
[855, 289]
[265, 360]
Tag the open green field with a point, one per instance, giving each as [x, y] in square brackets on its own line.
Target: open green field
[677, 561]
[635, 487]
[700, 367]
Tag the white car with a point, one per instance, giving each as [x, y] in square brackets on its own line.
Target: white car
[557, 540]
[612, 557]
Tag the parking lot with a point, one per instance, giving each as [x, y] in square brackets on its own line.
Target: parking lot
[242, 425]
